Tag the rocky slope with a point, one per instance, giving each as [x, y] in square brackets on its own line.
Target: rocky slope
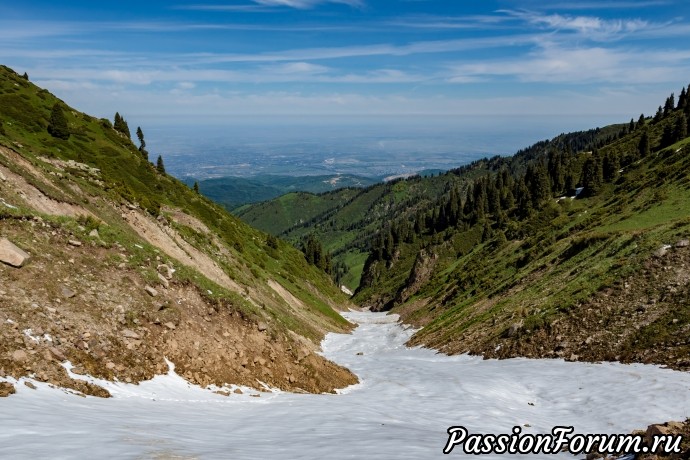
[114, 266]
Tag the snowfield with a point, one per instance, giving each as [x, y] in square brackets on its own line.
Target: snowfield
[402, 408]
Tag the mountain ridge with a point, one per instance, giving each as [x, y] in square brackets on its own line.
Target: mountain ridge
[128, 266]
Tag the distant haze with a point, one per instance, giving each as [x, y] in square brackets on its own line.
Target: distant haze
[369, 147]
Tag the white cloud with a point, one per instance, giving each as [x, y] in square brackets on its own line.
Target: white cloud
[306, 4]
[588, 26]
[583, 65]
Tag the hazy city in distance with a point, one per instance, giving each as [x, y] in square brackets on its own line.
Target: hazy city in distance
[375, 147]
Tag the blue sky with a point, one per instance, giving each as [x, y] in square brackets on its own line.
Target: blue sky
[203, 59]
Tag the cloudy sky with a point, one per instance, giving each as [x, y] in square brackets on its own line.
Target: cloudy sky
[174, 59]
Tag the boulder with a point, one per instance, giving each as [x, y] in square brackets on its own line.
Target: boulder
[12, 255]
[151, 291]
[6, 389]
[683, 244]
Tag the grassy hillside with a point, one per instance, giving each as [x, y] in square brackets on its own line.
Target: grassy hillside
[520, 267]
[574, 247]
[98, 180]
[233, 192]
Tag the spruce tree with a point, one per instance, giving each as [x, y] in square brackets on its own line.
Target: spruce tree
[25, 76]
[159, 165]
[641, 122]
[592, 176]
[121, 126]
[670, 105]
[659, 115]
[643, 148]
[142, 143]
[681, 129]
[196, 186]
[58, 123]
[682, 100]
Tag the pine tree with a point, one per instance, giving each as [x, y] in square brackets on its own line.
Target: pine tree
[641, 122]
[631, 126]
[120, 125]
[58, 123]
[25, 76]
[669, 105]
[659, 115]
[196, 186]
[682, 100]
[142, 143]
[611, 167]
[537, 180]
[643, 148]
[669, 135]
[159, 165]
[592, 176]
[681, 128]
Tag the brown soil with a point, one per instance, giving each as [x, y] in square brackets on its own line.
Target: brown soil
[644, 318]
[89, 309]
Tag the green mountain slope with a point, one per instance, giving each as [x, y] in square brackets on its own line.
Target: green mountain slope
[233, 192]
[101, 211]
[501, 258]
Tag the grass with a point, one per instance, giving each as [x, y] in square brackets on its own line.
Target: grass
[126, 178]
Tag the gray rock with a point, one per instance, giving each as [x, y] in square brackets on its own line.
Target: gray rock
[170, 326]
[166, 271]
[164, 281]
[683, 244]
[75, 243]
[12, 255]
[67, 293]
[94, 233]
[130, 334]
[662, 251]
[262, 326]
[151, 291]
[2, 177]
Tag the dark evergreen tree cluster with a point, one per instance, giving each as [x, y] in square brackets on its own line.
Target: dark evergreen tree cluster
[315, 254]
[57, 127]
[120, 125]
[510, 190]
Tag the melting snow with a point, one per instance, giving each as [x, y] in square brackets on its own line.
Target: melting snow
[405, 401]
